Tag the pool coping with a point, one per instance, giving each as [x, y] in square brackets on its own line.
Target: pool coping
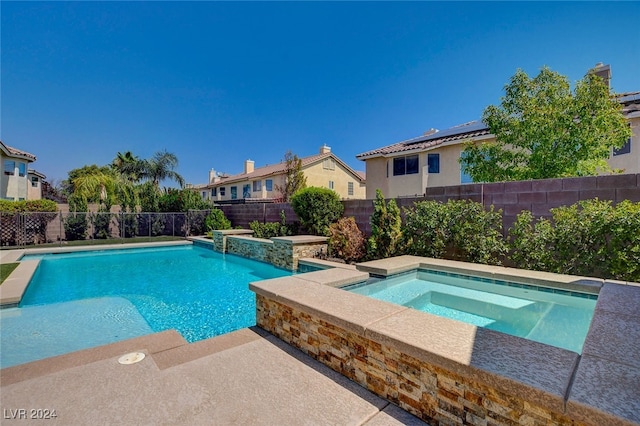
[600, 385]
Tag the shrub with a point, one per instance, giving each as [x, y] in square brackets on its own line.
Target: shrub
[101, 221]
[75, 225]
[459, 230]
[272, 229]
[346, 241]
[590, 238]
[217, 220]
[38, 213]
[181, 200]
[317, 208]
[27, 206]
[386, 228]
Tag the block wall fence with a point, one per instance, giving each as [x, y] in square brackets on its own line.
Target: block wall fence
[537, 196]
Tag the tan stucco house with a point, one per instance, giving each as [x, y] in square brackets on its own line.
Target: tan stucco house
[407, 168]
[324, 169]
[17, 181]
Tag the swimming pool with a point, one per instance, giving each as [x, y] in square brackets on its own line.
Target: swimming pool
[556, 317]
[80, 300]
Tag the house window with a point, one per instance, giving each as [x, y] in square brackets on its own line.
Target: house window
[257, 185]
[246, 191]
[9, 167]
[624, 149]
[223, 191]
[330, 184]
[34, 181]
[213, 192]
[204, 195]
[464, 176]
[329, 164]
[234, 192]
[268, 184]
[405, 165]
[350, 188]
[433, 161]
[22, 169]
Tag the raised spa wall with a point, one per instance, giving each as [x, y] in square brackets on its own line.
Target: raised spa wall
[448, 372]
[282, 252]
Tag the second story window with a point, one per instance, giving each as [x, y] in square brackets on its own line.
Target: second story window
[624, 149]
[268, 184]
[9, 167]
[223, 191]
[408, 165]
[433, 161]
[350, 188]
[213, 192]
[331, 184]
[234, 192]
[34, 181]
[257, 185]
[22, 169]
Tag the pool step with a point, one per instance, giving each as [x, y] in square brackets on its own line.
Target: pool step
[192, 351]
[151, 344]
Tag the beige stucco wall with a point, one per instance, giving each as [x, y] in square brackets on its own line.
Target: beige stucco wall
[376, 169]
[319, 176]
[316, 174]
[34, 191]
[380, 174]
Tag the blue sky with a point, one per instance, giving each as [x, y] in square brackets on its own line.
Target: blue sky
[217, 83]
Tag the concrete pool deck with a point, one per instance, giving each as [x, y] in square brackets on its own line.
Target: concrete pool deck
[245, 377]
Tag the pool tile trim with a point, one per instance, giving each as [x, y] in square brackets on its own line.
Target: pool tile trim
[401, 264]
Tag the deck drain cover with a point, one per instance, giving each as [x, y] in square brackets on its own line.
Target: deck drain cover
[131, 358]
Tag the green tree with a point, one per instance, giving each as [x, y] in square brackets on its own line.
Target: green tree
[544, 130]
[294, 179]
[386, 228]
[90, 183]
[317, 208]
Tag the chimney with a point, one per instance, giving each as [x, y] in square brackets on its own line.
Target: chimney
[248, 166]
[324, 149]
[212, 176]
[603, 71]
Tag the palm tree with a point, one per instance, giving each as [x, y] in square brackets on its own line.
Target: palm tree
[160, 167]
[129, 166]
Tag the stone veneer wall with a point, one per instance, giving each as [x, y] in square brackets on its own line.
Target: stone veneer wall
[438, 395]
[252, 248]
[283, 252]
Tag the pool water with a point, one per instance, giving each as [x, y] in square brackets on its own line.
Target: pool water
[80, 300]
[555, 317]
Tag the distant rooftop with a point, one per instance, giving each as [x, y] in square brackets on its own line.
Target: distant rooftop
[14, 152]
[469, 130]
[280, 168]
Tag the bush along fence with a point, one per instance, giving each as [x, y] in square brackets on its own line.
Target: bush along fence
[592, 237]
[22, 228]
